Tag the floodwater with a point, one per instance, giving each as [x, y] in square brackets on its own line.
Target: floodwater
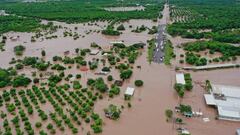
[147, 114]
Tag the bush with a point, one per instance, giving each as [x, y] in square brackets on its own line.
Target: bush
[110, 78]
[20, 81]
[113, 112]
[38, 125]
[49, 126]
[126, 74]
[43, 53]
[35, 80]
[169, 113]
[100, 85]
[19, 50]
[138, 83]
[121, 27]
[77, 85]
[106, 69]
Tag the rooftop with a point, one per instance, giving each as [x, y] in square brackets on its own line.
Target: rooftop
[227, 100]
[129, 91]
[180, 78]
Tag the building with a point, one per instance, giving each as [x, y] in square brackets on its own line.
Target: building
[94, 52]
[209, 67]
[2, 12]
[227, 101]
[129, 91]
[180, 78]
[238, 131]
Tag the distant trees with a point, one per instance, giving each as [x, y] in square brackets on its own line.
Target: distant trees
[222, 26]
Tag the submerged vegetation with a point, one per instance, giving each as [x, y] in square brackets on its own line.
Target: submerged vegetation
[54, 84]
[228, 52]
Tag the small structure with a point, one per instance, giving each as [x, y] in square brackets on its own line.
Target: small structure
[66, 52]
[102, 73]
[180, 78]
[129, 91]
[227, 101]
[188, 114]
[118, 83]
[15, 38]
[116, 42]
[94, 52]
[238, 131]
[185, 132]
[209, 67]
[2, 12]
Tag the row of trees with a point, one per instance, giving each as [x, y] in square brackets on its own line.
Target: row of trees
[219, 18]
[80, 11]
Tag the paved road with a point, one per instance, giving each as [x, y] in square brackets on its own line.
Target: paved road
[158, 56]
[159, 48]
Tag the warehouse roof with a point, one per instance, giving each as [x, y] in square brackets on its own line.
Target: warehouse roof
[180, 78]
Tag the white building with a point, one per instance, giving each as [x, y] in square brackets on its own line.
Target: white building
[2, 12]
[94, 52]
[129, 91]
[227, 101]
[238, 131]
[180, 78]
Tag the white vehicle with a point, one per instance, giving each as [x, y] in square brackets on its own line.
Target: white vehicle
[162, 47]
[157, 50]
[156, 45]
[161, 43]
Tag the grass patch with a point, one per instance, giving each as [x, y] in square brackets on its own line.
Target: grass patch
[169, 54]
[151, 46]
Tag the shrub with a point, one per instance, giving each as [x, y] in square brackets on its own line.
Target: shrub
[38, 125]
[138, 83]
[110, 78]
[19, 50]
[20, 81]
[49, 126]
[43, 53]
[121, 27]
[126, 74]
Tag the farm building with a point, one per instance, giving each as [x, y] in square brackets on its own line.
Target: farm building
[129, 91]
[2, 12]
[180, 78]
[238, 131]
[94, 52]
[227, 101]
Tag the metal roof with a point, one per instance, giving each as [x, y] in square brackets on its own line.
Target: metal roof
[227, 91]
[228, 103]
[129, 91]
[180, 78]
[209, 99]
